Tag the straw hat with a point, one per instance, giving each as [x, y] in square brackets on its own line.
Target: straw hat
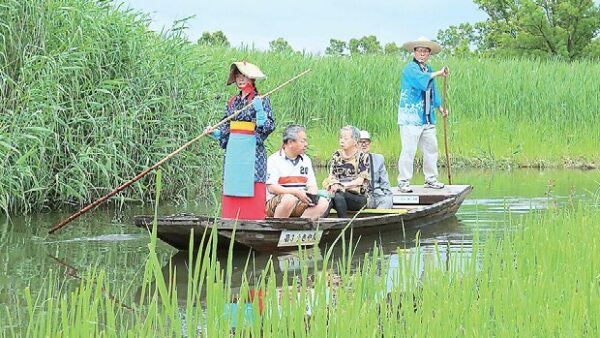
[365, 135]
[434, 47]
[249, 70]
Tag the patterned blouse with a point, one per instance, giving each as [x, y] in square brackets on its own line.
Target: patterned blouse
[344, 169]
[249, 115]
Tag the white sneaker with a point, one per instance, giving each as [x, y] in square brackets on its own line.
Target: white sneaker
[433, 184]
[404, 187]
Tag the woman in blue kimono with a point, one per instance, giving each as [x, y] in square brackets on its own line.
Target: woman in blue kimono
[243, 137]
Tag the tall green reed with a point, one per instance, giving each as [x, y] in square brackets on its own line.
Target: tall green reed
[90, 98]
[81, 108]
[502, 111]
[364, 90]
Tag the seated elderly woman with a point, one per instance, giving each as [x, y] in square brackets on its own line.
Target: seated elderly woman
[349, 174]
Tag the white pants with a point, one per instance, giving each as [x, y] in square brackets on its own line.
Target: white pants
[423, 137]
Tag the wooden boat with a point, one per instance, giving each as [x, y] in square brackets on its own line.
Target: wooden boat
[418, 208]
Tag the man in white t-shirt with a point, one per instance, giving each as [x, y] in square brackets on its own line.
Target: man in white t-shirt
[291, 184]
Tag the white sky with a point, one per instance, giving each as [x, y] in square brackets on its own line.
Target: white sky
[309, 24]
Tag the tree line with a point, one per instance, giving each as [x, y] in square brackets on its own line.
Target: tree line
[562, 29]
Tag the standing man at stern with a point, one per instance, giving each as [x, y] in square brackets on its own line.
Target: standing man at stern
[416, 115]
[291, 183]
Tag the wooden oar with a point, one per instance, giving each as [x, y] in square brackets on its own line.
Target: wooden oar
[157, 164]
[446, 130]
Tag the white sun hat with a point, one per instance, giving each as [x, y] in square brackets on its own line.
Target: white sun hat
[250, 70]
[364, 135]
[433, 46]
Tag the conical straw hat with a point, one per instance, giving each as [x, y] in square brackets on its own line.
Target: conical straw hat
[434, 47]
[250, 70]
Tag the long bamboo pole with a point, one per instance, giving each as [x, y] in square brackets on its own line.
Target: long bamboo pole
[168, 157]
[448, 166]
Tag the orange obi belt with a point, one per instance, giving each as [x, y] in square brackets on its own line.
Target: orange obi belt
[242, 127]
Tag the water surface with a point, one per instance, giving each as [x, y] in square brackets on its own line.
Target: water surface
[106, 239]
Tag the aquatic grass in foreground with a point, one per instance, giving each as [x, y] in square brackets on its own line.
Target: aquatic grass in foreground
[541, 278]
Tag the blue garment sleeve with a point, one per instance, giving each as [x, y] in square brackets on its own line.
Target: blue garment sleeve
[224, 128]
[261, 115]
[267, 128]
[416, 78]
[216, 134]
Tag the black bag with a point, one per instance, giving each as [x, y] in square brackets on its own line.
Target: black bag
[314, 199]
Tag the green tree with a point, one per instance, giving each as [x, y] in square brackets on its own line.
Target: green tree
[336, 47]
[391, 48]
[217, 38]
[280, 45]
[458, 40]
[562, 28]
[365, 45]
[592, 50]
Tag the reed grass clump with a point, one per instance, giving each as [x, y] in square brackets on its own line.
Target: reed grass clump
[90, 97]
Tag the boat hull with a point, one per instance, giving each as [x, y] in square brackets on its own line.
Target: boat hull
[420, 208]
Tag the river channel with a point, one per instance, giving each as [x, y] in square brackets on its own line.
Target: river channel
[106, 238]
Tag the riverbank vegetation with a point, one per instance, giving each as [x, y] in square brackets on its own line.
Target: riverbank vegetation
[540, 278]
[91, 96]
[507, 112]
